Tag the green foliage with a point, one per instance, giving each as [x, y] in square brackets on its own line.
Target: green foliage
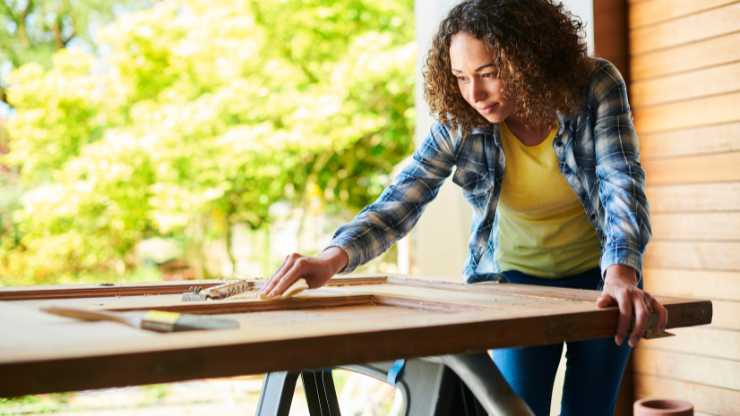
[200, 114]
[33, 30]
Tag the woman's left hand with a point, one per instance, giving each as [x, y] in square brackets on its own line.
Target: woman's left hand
[620, 289]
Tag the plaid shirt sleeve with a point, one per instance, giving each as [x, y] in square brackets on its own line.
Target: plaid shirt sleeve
[621, 179]
[399, 207]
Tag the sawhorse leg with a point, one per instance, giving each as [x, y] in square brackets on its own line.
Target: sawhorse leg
[461, 384]
[479, 374]
[277, 394]
[279, 387]
[320, 392]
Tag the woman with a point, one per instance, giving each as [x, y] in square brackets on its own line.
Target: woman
[543, 145]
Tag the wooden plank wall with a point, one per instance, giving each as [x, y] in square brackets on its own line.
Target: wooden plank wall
[685, 92]
[611, 41]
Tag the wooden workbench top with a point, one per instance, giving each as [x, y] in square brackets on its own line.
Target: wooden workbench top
[352, 320]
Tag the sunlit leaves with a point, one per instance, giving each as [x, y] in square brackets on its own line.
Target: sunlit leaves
[197, 115]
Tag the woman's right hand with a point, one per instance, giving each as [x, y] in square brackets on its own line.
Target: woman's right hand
[316, 271]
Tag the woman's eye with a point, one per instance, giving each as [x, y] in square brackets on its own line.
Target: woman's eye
[488, 75]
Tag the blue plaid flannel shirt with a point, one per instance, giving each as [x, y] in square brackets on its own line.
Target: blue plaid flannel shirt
[599, 158]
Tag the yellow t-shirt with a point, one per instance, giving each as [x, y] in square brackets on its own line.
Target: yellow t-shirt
[543, 228]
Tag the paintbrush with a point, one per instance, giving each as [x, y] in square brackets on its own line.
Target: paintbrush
[159, 321]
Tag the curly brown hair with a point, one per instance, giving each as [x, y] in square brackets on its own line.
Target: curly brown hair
[538, 50]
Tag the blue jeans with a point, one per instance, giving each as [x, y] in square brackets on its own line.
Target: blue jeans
[593, 371]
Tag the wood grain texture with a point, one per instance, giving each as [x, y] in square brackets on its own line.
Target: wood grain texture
[656, 11]
[701, 226]
[685, 67]
[706, 399]
[691, 28]
[721, 167]
[105, 290]
[688, 114]
[720, 138]
[323, 327]
[723, 291]
[688, 367]
[693, 283]
[706, 341]
[683, 58]
[704, 197]
[691, 255]
[725, 315]
[688, 85]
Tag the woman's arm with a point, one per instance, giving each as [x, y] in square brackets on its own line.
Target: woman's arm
[620, 177]
[381, 223]
[626, 226]
[399, 207]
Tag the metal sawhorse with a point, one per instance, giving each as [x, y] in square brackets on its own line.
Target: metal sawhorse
[462, 384]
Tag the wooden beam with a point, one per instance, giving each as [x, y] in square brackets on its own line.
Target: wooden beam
[109, 289]
[610, 34]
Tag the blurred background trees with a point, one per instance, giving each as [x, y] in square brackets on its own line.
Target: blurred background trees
[32, 30]
[183, 122]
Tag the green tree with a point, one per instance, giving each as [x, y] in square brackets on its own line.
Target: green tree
[32, 30]
[198, 115]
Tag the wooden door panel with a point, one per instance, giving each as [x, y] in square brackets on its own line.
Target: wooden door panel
[352, 320]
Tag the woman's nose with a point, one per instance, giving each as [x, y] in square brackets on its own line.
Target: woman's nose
[477, 92]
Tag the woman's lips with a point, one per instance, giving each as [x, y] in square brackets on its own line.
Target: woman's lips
[488, 109]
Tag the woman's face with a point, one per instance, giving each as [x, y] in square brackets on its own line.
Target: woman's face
[473, 66]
